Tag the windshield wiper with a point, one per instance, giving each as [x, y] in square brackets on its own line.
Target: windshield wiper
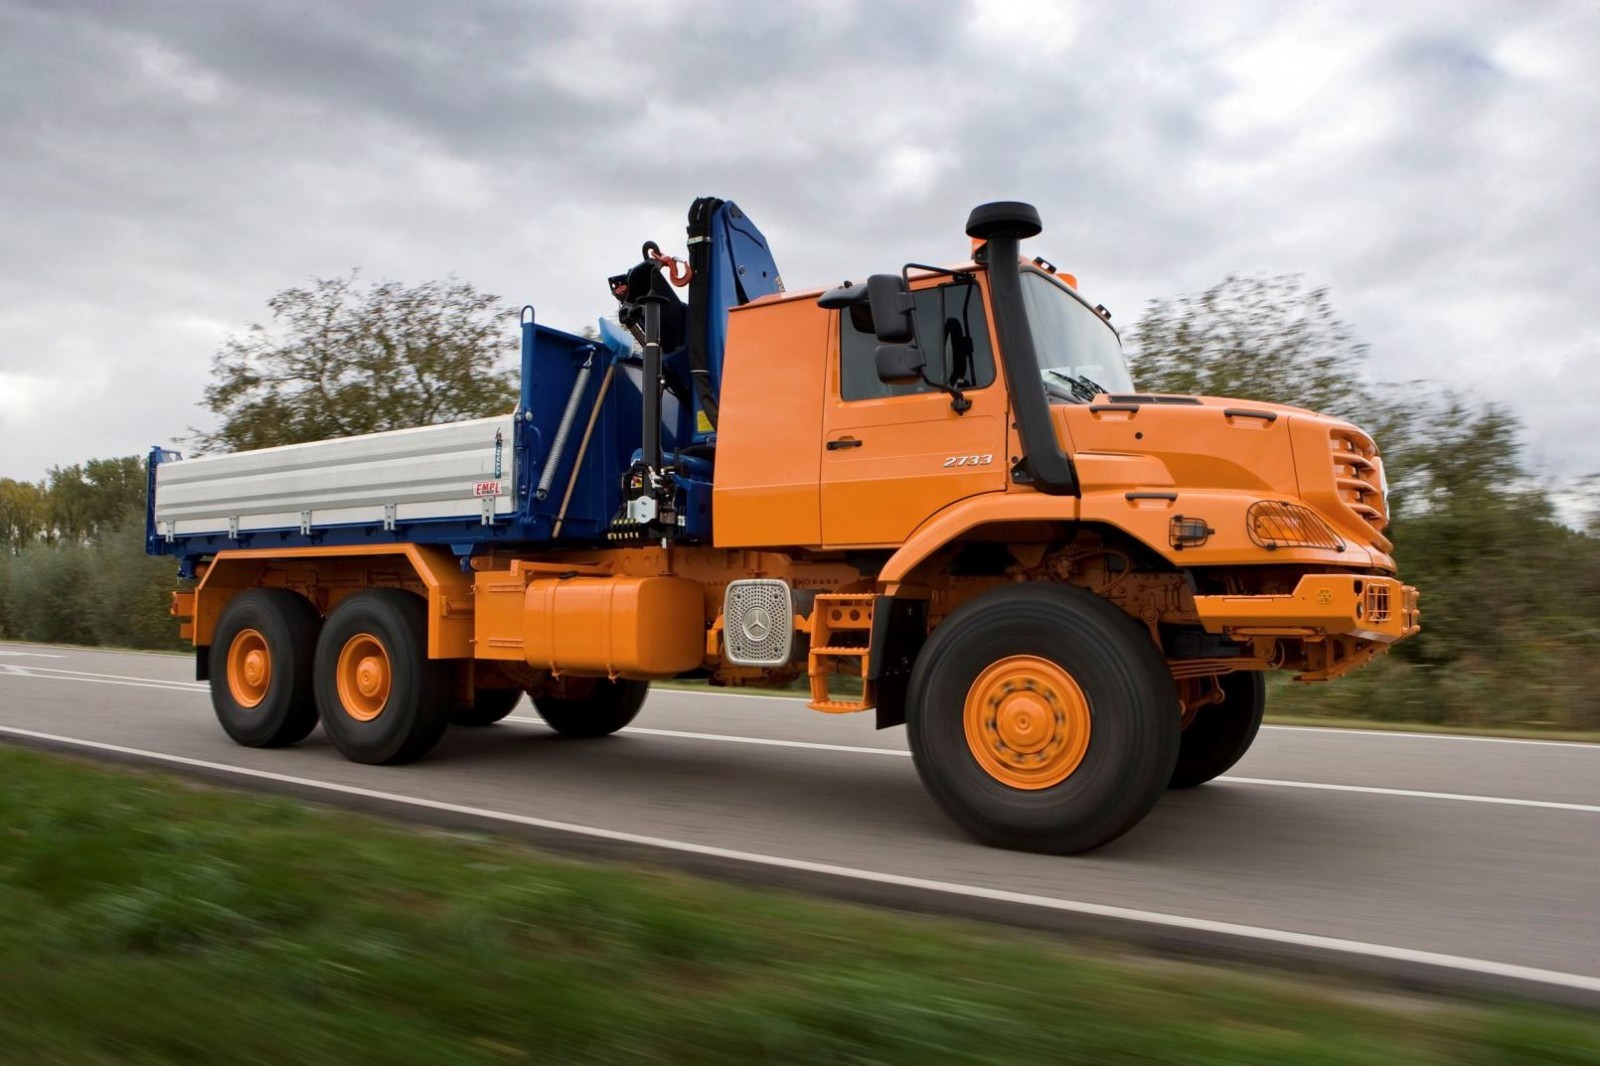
[1052, 389]
[1082, 388]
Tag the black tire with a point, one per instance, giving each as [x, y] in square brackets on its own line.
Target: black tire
[281, 628]
[1127, 696]
[403, 720]
[607, 707]
[489, 705]
[1221, 733]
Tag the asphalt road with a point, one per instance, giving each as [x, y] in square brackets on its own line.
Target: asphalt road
[1442, 860]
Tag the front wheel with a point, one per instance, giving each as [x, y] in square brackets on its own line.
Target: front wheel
[603, 709]
[1042, 718]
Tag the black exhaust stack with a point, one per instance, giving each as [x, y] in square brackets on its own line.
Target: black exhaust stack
[1003, 226]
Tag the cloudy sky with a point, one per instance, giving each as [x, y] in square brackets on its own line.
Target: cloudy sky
[165, 167]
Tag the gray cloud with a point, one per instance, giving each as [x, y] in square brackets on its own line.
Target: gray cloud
[164, 167]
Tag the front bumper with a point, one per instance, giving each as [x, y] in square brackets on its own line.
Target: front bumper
[1380, 610]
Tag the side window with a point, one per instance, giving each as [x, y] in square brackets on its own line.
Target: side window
[952, 330]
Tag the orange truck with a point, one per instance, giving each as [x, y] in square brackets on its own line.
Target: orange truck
[936, 495]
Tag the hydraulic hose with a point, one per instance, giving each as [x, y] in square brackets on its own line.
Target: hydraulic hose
[698, 338]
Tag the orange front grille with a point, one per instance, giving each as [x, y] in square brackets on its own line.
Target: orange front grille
[1356, 478]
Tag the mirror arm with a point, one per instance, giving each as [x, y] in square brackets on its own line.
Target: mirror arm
[958, 275]
[958, 399]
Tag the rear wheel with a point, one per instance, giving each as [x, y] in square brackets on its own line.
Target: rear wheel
[260, 666]
[1042, 718]
[489, 705]
[381, 698]
[606, 707]
[1220, 733]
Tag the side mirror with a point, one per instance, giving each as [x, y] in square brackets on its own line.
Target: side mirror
[900, 364]
[891, 305]
[843, 297]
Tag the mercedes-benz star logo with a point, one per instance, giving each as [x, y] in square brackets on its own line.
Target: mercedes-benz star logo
[757, 624]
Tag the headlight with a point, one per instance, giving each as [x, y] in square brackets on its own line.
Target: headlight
[1274, 524]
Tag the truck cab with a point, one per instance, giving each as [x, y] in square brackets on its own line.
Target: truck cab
[1237, 496]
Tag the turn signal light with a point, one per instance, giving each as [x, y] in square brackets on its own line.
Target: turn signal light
[1188, 532]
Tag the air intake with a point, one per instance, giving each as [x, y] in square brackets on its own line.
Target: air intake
[758, 622]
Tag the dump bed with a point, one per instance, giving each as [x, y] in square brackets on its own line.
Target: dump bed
[458, 472]
[470, 486]
[552, 471]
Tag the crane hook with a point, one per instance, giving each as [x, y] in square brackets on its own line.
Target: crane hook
[679, 272]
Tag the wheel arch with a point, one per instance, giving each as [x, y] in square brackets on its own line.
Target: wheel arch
[325, 576]
[999, 518]
[1026, 525]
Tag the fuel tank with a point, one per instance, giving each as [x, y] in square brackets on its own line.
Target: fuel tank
[592, 625]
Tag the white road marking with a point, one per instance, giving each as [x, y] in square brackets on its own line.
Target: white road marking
[1374, 790]
[1575, 745]
[727, 738]
[33, 654]
[780, 695]
[196, 687]
[1407, 793]
[51, 673]
[1570, 745]
[1485, 967]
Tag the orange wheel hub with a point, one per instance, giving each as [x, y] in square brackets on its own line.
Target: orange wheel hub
[364, 677]
[1027, 722]
[249, 668]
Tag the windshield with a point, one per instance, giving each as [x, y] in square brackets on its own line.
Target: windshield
[1079, 353]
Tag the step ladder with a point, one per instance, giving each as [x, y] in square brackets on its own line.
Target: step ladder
[841, 638]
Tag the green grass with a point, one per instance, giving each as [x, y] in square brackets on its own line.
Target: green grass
[1394, 694]
[145, 919]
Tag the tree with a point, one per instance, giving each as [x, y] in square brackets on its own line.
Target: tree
[1587, 503]
[1511, 599]
[1258, 338]
[83, 501]
[22, 514]
[338, 360]
[1273, 339]
[1448, 452]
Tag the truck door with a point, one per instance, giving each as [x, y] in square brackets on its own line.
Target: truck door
[895, 454]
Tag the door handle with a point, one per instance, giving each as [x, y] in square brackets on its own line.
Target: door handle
[844, 442]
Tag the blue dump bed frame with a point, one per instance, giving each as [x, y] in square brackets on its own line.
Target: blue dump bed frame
[741, 269]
